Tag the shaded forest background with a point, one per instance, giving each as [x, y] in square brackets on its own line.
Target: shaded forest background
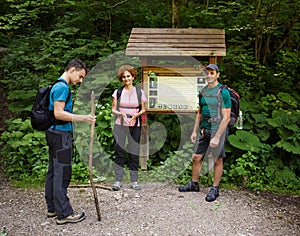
[38, 38]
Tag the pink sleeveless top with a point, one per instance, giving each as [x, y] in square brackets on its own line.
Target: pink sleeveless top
[129, 104]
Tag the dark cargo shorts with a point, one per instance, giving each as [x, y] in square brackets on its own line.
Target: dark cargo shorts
[203, 140]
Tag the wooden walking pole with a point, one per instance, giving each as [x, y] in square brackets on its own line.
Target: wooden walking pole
[91, 158]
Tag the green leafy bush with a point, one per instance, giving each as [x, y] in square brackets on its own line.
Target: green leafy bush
[25, 151]
[25, 154]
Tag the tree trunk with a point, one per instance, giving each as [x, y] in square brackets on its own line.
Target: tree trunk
[258, 37]
[175, 13]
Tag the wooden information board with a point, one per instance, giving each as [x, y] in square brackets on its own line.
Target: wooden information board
[173, 90]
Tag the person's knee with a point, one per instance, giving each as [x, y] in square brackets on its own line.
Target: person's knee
[197, 158]
[219, 161]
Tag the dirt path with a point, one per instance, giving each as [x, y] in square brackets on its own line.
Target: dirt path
[157, 209]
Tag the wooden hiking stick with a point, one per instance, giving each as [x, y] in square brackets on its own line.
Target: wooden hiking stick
[91, 158]
[87, 186]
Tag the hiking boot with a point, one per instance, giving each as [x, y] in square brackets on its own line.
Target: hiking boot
[212, 194]
[190, 187]
[51, 214]
[74, 218]
[117, 186]
[135, 186]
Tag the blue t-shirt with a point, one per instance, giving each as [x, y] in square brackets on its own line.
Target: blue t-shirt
[209, 105]
[60, 92]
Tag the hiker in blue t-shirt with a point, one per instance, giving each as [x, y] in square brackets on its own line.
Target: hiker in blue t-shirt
[59, 140]
[213, 131]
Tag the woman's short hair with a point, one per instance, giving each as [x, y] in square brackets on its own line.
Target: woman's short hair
[128, 68]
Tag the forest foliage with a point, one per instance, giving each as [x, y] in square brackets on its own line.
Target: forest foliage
[37, 38]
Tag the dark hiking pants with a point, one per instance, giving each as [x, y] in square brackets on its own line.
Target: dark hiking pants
[59, 172]
[133, 135]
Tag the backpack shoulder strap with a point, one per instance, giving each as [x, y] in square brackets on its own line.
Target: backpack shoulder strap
[221, 89]
[55, 121]
[69, 94]
[139, 96]
[203, 90]
[219, 97]
[119, 92]
[202, 93]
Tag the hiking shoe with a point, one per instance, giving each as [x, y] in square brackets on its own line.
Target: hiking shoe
[74, 218]
[135, 186]
[117, 186]
[212, 194]
[190, 187]
[51, 214]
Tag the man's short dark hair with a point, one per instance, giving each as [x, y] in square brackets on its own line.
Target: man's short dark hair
[78, 64]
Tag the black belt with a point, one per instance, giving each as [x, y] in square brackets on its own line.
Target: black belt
[210, 119]
[206, 118]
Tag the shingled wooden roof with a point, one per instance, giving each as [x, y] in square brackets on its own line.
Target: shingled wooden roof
[176, 42]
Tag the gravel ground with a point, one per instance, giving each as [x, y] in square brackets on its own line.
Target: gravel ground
[158, 209]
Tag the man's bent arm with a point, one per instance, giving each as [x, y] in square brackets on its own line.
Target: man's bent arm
[61, 114]
[224, 122]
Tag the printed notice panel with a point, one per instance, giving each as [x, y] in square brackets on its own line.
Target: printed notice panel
[176, 93]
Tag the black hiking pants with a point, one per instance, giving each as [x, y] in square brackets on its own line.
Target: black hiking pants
[133, 134]
[59, 172]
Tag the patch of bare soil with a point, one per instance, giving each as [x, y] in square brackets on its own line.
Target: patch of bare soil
[158, 209]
